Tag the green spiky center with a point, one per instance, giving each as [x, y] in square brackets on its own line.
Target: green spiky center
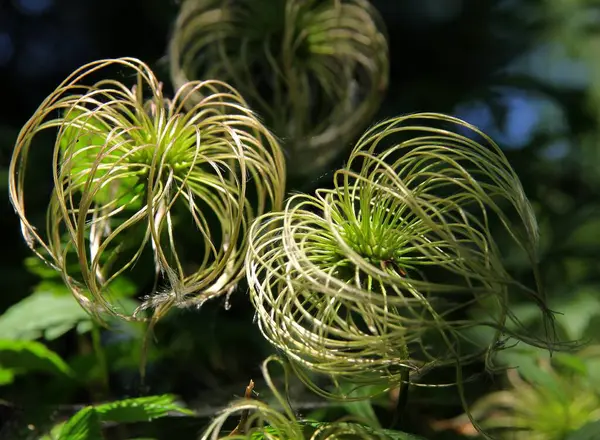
[169, 141]
[375, 243]
[375, 229]
[100, 145]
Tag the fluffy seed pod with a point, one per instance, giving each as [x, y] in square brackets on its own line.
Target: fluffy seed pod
[370, 280]
[137, 174]
[316, 71]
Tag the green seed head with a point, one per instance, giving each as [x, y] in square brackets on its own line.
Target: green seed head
[372, 278]
[137, 175]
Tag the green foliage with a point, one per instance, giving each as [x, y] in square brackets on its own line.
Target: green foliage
[356, 431]
[141, 409]
[50, 312]
[44, 314]
[586, 432]
[31, 356]
[362, 409]
[6, 376]
[87, 423]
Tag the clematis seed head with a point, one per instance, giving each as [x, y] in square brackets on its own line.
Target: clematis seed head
[370, 281]
[316, 71]
[140, 178]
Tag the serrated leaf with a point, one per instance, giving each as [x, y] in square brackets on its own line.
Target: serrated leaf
[31, 356]
[41, 314]
[141, 409]
[85, 425]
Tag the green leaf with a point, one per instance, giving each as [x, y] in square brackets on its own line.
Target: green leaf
[586, 432]
[6, 376]
[266, 430]
[41, 314]
[57, 331]
[84, 327]
[31, 356]
[362, 409]
[141, 409]
[85, 425]
[54, 432]
[397, 435]
[578, 310]
[571, 362]
[37, 267]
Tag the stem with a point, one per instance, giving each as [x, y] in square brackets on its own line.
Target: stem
[398, 419]
[240, 429]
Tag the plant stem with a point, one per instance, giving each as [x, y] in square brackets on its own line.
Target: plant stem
[398, 419]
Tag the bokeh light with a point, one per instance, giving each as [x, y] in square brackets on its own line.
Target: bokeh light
[7, 48]
[33, 7]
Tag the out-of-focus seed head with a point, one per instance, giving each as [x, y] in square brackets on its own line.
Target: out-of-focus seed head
[316, 71]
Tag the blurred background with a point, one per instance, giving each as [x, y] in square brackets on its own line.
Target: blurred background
[526, 72]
